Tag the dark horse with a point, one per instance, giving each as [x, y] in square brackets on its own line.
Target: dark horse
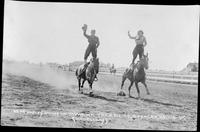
[87, 74]
[137, 75]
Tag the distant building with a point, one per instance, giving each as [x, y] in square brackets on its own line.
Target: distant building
[193, 67]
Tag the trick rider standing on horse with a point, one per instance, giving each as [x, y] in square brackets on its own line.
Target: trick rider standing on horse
[139, 48]
[92, 47]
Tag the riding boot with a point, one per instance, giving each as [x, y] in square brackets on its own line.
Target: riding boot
[85, 61]
[131, 67]
[85, 66]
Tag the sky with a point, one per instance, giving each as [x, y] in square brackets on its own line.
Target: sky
[51, 32]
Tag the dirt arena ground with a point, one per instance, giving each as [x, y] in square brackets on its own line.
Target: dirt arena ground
[40, 98]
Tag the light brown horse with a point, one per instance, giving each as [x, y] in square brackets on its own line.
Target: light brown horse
[88, 74]
[136, 75]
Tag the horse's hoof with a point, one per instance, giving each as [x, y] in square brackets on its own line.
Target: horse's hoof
[80, 92]
[121, 93]
[91, 94]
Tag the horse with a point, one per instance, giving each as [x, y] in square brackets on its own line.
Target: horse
[113, 70]
[88, 74]
[137, 74]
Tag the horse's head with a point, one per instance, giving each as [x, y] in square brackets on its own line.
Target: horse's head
[145, 61]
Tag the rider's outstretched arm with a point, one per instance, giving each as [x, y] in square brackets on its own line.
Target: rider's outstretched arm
[84, 33]
[131, 36]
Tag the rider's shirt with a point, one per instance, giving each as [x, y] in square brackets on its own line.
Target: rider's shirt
[140, 40]
[93, 40]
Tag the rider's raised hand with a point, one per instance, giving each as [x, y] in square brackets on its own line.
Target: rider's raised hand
[84, 27]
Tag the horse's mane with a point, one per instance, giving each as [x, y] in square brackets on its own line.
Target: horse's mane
[139, 63]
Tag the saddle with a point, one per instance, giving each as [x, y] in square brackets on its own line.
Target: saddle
[84, 69]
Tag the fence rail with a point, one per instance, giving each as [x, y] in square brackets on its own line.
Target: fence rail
[164, 79]
[175, 77]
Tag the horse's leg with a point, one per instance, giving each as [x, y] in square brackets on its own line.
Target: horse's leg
[79, 83]
[138, 91]
[91, 89]
[145, 85]
[82, 85]
[90, 85]
[129, 88]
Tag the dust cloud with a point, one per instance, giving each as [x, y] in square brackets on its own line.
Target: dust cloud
[60, 79]
[43, 74]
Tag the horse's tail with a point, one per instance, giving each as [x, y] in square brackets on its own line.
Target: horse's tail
[124, 76]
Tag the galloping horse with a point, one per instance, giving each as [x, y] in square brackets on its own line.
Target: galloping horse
[137, 75]
[88, 74]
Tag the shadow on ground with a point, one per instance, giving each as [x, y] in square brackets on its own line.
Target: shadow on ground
[157, 102]
[102, 97]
